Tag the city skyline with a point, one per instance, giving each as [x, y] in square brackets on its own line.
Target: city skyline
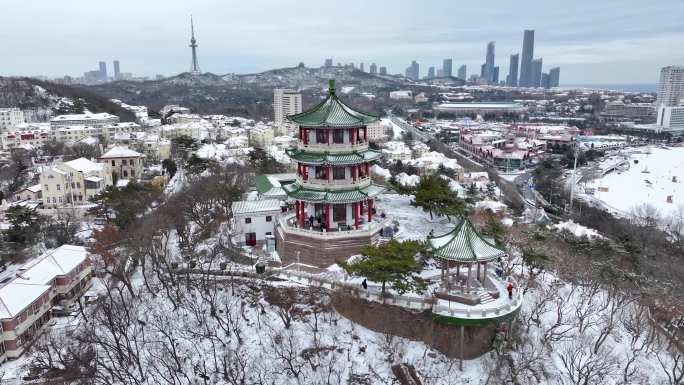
[574, 40]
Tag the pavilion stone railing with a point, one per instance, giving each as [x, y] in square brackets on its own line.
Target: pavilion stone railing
[335, 184]
[371, 228]
[332, 147]
[415, 303]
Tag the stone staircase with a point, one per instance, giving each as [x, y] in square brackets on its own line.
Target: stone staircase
[485, 297]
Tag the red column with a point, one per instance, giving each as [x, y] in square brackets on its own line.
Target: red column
[370, 210]
[367, 170]
[305, 172]
[306, 136]
[365, 134]
[326, 135]
[301, 216]
[301, 135]
[356, 214]
[328, 173]
[351, 135]
[358, 134]
[327, 217]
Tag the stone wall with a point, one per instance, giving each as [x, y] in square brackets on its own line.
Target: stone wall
[415, 326]
[318, 252]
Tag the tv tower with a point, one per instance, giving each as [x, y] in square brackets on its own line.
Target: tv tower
[194, 68]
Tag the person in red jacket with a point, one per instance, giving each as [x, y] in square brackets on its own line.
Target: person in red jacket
[510, 290]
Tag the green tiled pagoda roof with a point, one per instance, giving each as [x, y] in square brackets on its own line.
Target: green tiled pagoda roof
[355, 194]
[325, 158]
[464, 244]
[263, 184]
[332, 113]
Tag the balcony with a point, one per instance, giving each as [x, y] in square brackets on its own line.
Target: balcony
[288, 224]
[334, 184]
[332, 147]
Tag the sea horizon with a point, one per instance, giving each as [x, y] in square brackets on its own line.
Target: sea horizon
[624, 87]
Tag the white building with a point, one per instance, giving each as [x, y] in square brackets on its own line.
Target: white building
[123, 162]
[395, 151]
[671, 118]
[285, 102]
[93, 120]
[377, 131]
[75, 182]
[255, 220]
[10, 117]
[401, 95]
[15, 139]
[671, 86]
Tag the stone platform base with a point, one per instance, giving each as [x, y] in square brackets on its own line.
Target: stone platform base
[320, 252]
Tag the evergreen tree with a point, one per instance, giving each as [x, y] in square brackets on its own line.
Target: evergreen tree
[434, 196]
[170, 166]
[394, 262]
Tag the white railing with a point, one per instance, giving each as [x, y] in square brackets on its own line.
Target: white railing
[332, 147]
[286, 222]
[334, 184]
[428, 302]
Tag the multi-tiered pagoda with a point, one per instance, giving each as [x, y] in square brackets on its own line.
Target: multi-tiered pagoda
[333, 196]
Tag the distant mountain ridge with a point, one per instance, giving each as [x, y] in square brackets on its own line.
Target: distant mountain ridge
[247, 95]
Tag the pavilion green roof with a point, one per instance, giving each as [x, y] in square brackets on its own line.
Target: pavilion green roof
[331, 113]
[334, 159]
[354, 194]
[464, 244]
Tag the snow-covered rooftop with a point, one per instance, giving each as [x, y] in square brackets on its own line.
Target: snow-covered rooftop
[121, 152]
[248, 207]
[45, 268]
[84, 165]
[17, 296]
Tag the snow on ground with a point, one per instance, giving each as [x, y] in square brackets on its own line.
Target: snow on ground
[648, 181]
[398, 131]
[407, 180]
[490, 205]
[383, 172]
[455, 186]
[577, 229]
[413, 222]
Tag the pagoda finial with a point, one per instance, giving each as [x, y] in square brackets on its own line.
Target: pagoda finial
[331, 86]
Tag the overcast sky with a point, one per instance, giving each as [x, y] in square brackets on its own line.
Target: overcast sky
[593, 41]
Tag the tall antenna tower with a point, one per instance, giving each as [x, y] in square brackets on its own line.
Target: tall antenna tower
[194, 67]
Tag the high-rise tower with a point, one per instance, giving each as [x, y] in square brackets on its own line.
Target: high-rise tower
[194, 68]
[489, 63]
[512, 80]
[526, 59]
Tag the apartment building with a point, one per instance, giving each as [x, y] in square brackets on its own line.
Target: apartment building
[56, 277]
[74, 182]
[10, 117]
[123, 162]
[93, 120]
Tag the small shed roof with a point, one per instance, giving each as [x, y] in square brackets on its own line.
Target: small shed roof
[250, 207]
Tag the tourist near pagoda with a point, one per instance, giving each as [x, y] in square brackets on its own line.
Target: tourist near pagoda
[333, 215]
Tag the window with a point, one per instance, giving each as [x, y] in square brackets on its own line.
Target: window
[339, 173]
[320, 137]
[123, 162]
[132, 172]
[47, 188]
[125, 173]
[248, 220]
[338, 136]
[78, 184]
[113, 163]
[73, 185]
[269, 218]
[59, 187]
[269, 233]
